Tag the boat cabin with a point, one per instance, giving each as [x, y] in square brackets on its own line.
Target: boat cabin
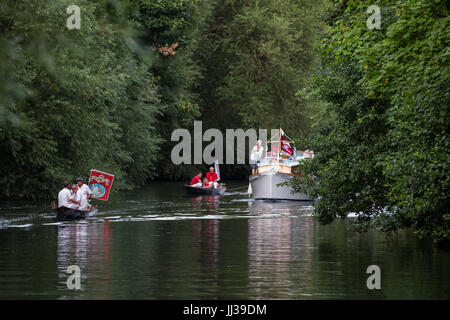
[278, 160]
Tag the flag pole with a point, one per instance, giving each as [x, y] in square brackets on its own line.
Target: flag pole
[279, 146]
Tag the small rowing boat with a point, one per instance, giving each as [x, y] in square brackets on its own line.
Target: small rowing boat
[68, 214]
[220, 190]
[205, 190]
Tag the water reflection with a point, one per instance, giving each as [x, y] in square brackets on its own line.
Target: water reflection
[265, 208]
[269, 253]
[211, 202]
[275, 247]
[206, 242]
[196, 202]
[89, 246]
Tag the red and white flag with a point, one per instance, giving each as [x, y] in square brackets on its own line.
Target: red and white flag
[100, 184]
[285, 146]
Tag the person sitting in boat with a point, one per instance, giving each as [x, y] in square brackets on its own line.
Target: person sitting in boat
[207, 184]
[74, 198]
[212, 178]
[197, 180]
[64, 196]
[84, 194]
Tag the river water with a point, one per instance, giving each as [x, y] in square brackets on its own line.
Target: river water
[158, 243]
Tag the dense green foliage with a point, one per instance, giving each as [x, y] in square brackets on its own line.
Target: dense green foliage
[68, 96]
[109, 95]
[255, 56]
[72, 100]
[387, 90]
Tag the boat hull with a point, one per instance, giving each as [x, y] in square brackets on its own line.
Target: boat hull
[265, 187]
[67, 214]
[207, 191]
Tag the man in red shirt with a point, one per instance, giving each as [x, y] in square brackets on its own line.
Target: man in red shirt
[197, 180]
[206, 183]
[212, 177]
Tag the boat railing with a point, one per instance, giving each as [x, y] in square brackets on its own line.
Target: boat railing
[276, 158]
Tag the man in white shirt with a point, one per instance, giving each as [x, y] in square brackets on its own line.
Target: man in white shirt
[75, 198]
[64, 196]
[84, 204]
[85, 194]
[256, 156]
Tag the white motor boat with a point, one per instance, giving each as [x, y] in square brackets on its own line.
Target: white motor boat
[279, 165]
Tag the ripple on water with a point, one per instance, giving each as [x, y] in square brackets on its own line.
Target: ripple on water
[233, 205]
[24, 226]
[243, 200]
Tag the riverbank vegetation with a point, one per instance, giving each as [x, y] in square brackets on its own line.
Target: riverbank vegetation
[109, 95]
[105, 96]
[372, 103]
[385, 155]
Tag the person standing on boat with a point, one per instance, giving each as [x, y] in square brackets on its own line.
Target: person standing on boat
[256, 156]
[85, 194]
[64, 196]
[83, 188]
[197, 180]
[212, 178]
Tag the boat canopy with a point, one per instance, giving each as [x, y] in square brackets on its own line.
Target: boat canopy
[277, 154]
